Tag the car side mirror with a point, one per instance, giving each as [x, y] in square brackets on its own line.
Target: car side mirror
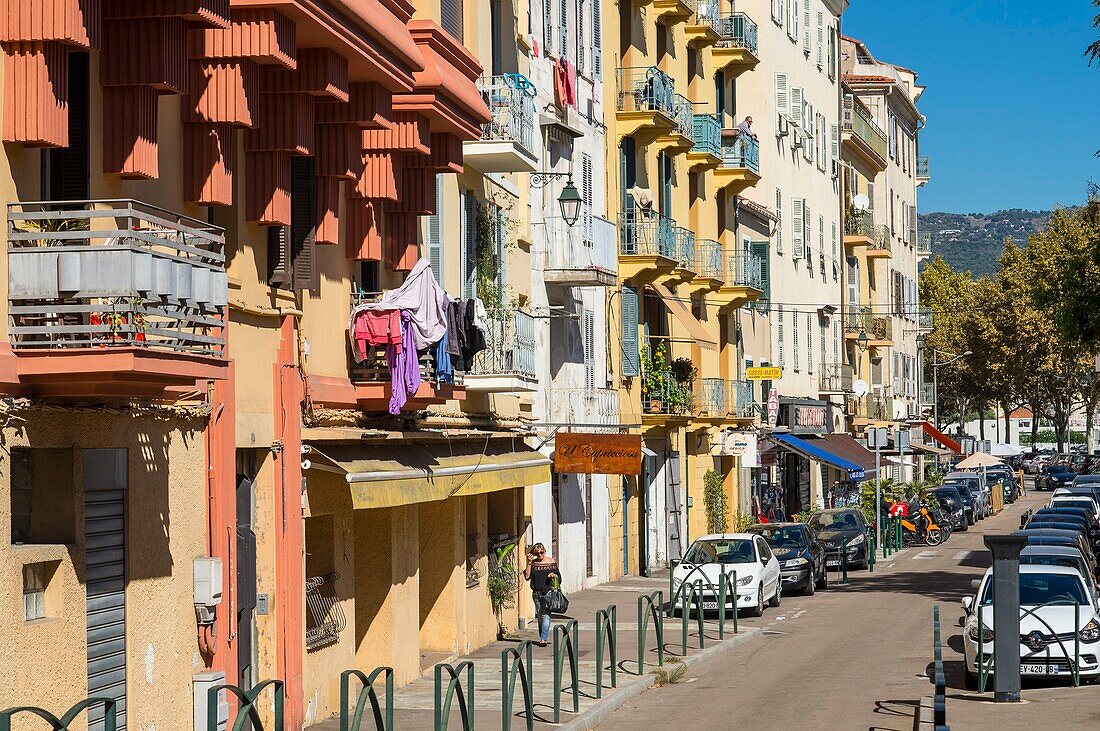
[967, 604]
[675, 562]
[974, 584]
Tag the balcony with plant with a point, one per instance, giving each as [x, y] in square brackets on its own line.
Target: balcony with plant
[666, 383]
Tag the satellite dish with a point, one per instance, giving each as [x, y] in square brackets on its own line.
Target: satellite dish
[861, 202]
[860, 388]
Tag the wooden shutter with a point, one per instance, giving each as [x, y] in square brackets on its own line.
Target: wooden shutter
[834, 139]
[810, 343]
[779, 221]
[278, 257]
[806, 27]
[548, 26]
[69, 166]
[450, 18]
[303, 224]
[582, 42]
[780, 335]
[798, 232]
[435, 233]
[589, 321]
[821, 240]
[469, 240]
[794, 339]
[564, 28]
[586, 195]
[782, 95]
[792, 20]
[760, 250]
[597, 39]
[631, 363]
[820, 40]
[797, 103]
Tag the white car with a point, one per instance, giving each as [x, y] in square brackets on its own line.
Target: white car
[744, 554]
[1076, 501]
[1050, 599]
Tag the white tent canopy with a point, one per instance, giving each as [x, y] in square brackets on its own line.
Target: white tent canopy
[1006, 450]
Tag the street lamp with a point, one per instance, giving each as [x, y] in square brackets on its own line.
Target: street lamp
[936, 381]
[863, 340]
[570, 199]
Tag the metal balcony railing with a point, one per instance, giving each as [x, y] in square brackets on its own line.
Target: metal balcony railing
[741, 152]
[710, 259]
[663, 394]
[685, 248]
[706, 14]
[875, 405]
[587, 246]
[927, 394]
[103, 273]
[683, 114]
[745, 269]
[924, 243]
[738, 31]
[709, 397]
[646, 89]
[857, 119]
[926, 319]
[741, 401]
[836, 378]
[509, 346]
[924, 171]
[647, 233]
[511, 102]
[863, 320]
[707, 134]
[860, 223]
[589, 406]
[881, 240]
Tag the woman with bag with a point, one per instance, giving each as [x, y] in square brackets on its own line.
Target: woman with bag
[542, 572]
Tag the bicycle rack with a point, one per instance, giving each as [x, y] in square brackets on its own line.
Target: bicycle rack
[366, 694]
[516, 661]
[605, 637]
[565, 643]
[248, 710]
[455, 688]
[110, 714]
[648, 609]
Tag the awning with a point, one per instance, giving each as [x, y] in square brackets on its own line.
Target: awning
[940, 437]
[386, 477]
[821, 452]
[930, 449]
[681, 312]
[851, 450]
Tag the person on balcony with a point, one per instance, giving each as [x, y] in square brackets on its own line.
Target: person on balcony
[744, 134]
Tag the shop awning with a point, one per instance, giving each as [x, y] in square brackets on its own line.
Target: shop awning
[682, 313]
[386, 477]
[941, 438]
[930, 449]
[821, 451]
[851, 450]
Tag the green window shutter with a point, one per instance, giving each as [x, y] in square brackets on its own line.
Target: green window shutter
[631, 363]
[435, 233]
[759, 250]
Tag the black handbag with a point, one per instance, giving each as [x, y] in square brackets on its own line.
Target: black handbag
[555, 602]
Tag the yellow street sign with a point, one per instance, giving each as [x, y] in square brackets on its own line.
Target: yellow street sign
[764, 374]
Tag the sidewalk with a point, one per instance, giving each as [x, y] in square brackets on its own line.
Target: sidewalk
[414, 703]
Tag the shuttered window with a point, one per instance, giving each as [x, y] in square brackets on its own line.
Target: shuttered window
[779, 221]
[278, 257]
[807, 235]
[820, 40]
[68, 166]
[582, 42]
[630, 364]
[450, 18]
[821, 240]
[586, 195]
[781, 335]
[563, 27]
[469, 241]
[760, 251]
[435, 233]
[797, 102]
[597, 39]
[782, 95]
[832, 52]
[797, 228]
[548, 26]
[834, 140]
[303, 224]
[810, 343]
[794, 339]
[792, 20]
[589, 321]
[806, 27]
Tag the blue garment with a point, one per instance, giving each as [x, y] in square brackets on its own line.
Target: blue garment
[544, 627]
[444, 369]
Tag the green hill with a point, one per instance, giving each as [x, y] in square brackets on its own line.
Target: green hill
[973, 241]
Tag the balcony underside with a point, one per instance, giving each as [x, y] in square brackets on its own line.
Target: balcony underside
[879, 253]
[859, 147]
[673, 11]
[733, 61]
[735, 180]
[675, 143]
[852, 241]
[735, 296]
[498, 156]
[123, 372]
[580, 277]
[701, 36]
[658, 422]
[500, 383]
[645, 268]
[703, 160]
[643, 123]
[374, 396]
[700, 285]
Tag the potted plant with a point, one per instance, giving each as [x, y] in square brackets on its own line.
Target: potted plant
[654, 378]
[683, 370]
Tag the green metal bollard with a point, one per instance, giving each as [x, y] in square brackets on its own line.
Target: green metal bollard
[871, 554]
[733, 578]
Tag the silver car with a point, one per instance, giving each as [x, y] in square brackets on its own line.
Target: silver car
[973, 482]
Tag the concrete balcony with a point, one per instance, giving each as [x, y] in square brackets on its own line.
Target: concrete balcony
[507, 143]
[924, 245]
[743, 280]
[664, 398]
[924, 170]
[740, 167]
[836, 378]
[589, 407]
[862, 134]
[507, 365]
[113, 298]
[736, 51]
[582, 255]
[646, 103]
[706, 152]
[704, 28]
[648, 247]
[673, 11]
[681, 138]
[876, 406]
[879, 328]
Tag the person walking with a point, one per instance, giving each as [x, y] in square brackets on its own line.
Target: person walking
[542, 572]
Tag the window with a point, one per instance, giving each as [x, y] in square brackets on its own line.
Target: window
[806, 27]
[720, 97]
[782, 97]
[797, 104]
[629, 336]
[821, 239]
[794, 339]
[778, 221]
[469, 206]
[820, 40]
[798, 232]
[548, 25]
[435, 232]
[42, 496]
[450, 18]
[780, 334]
[36, 582]
[324, 617]
[597, 39]
[589, 320]
[853, 281]
[822, 329]
[832, 53]
[291, 250]
[810, 343]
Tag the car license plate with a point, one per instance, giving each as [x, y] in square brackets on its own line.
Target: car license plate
[1040, 669]
[710, 605]
[833, 562]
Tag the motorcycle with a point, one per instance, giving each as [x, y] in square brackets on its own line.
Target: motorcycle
[921, 529]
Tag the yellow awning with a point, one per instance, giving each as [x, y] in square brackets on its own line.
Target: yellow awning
[386, 477]
[682, 313]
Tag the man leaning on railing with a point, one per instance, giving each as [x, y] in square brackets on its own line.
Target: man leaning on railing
[744, 133]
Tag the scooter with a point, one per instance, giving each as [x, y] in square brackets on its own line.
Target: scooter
[922, 529]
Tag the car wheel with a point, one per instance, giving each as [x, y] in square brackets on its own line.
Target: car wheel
[775, 600]
[823, 582]
[811, 584]
[970, 680]
[758, 610]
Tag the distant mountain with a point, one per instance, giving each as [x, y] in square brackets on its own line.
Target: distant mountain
[973, 241]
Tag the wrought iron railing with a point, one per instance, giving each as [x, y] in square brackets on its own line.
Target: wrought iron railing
[741, 152]
[710, 259]
[647, 233]
[924, 168]
[924, 243]
[326, 616]
[927, 394]
[926, 319]
[683, 114]
[860, 223]
[738, 31]
[685, 248]
[741, 400]
[707, 134]
[706, 14]
[709, 397]
[373, 367]
[589, 245]
[862, 320]
[875, 405]
[511, 102]
[836, 378]
[509, 346]
[857, 119]
[663, 394]
[591, 406]
[745, 269]
[110, 273]
[646, 89]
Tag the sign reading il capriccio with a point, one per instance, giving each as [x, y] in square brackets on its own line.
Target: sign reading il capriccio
[598, 454]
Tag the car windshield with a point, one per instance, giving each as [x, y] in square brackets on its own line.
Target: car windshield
[1071, 562]
[948, 500]
[786, 536]
[834, 521]
[1086, 504]
[1058, 469]
[1036, 589]
[733, 550]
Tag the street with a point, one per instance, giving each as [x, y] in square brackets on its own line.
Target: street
[856, 657]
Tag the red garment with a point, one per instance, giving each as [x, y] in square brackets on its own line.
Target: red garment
[570, 82]
[377, 327]
[559, 85]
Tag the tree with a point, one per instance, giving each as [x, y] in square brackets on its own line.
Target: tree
[1066, 273]
[949, 294]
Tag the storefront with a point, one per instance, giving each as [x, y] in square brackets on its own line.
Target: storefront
[797, 483]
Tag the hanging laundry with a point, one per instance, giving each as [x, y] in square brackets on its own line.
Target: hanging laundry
[481, 316]
[570, 82]
[444, 369]
[456, 333]
[559, 85]
[404, 365]
[375, 327]
[475, 336]
[422, 298]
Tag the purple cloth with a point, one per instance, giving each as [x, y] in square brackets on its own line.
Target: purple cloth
[404, 366]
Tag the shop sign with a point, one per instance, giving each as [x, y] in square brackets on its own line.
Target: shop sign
[810, 417]
[764, 374]
[598, 454]
[773, 407]
[743, 444]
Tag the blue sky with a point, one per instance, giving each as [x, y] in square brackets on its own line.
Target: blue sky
[1012, 104]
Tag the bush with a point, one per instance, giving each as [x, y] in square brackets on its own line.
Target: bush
[715, 503]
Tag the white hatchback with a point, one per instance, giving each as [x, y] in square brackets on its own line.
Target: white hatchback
[1059, 625]
[744, 555]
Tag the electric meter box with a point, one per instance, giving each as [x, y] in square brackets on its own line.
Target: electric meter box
[208, 581]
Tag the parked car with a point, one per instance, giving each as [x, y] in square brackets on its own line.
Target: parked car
[1007, 480]
[1059, 604]
[1054, 476]
[974, 483]
[1056, 537]
[747, 554]
[800, 553]
[969, 504]
[836, 525]
[1076, 501]
[1080, 516]
[952, 506]
[1062, 556]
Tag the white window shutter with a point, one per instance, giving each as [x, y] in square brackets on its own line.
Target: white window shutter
[775, 11]
[779, 221]
[794, 338]
[780, 333]
[834, 240]
[782, 95]
[834, 138]
[582, 42]
[792, 20]
[820, 40]
[796, 105]
[586, 196]
[807, 233]
[821, 237]
[809, 343]
[798, 231]
[589, 350]
[564, 28]
[435, 232]
[806, 27]
[548, 26]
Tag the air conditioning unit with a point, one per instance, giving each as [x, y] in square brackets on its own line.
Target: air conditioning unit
[797, 142]
[783, 126]
[836, 169]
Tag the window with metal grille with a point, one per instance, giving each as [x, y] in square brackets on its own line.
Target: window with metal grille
[325, 618]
